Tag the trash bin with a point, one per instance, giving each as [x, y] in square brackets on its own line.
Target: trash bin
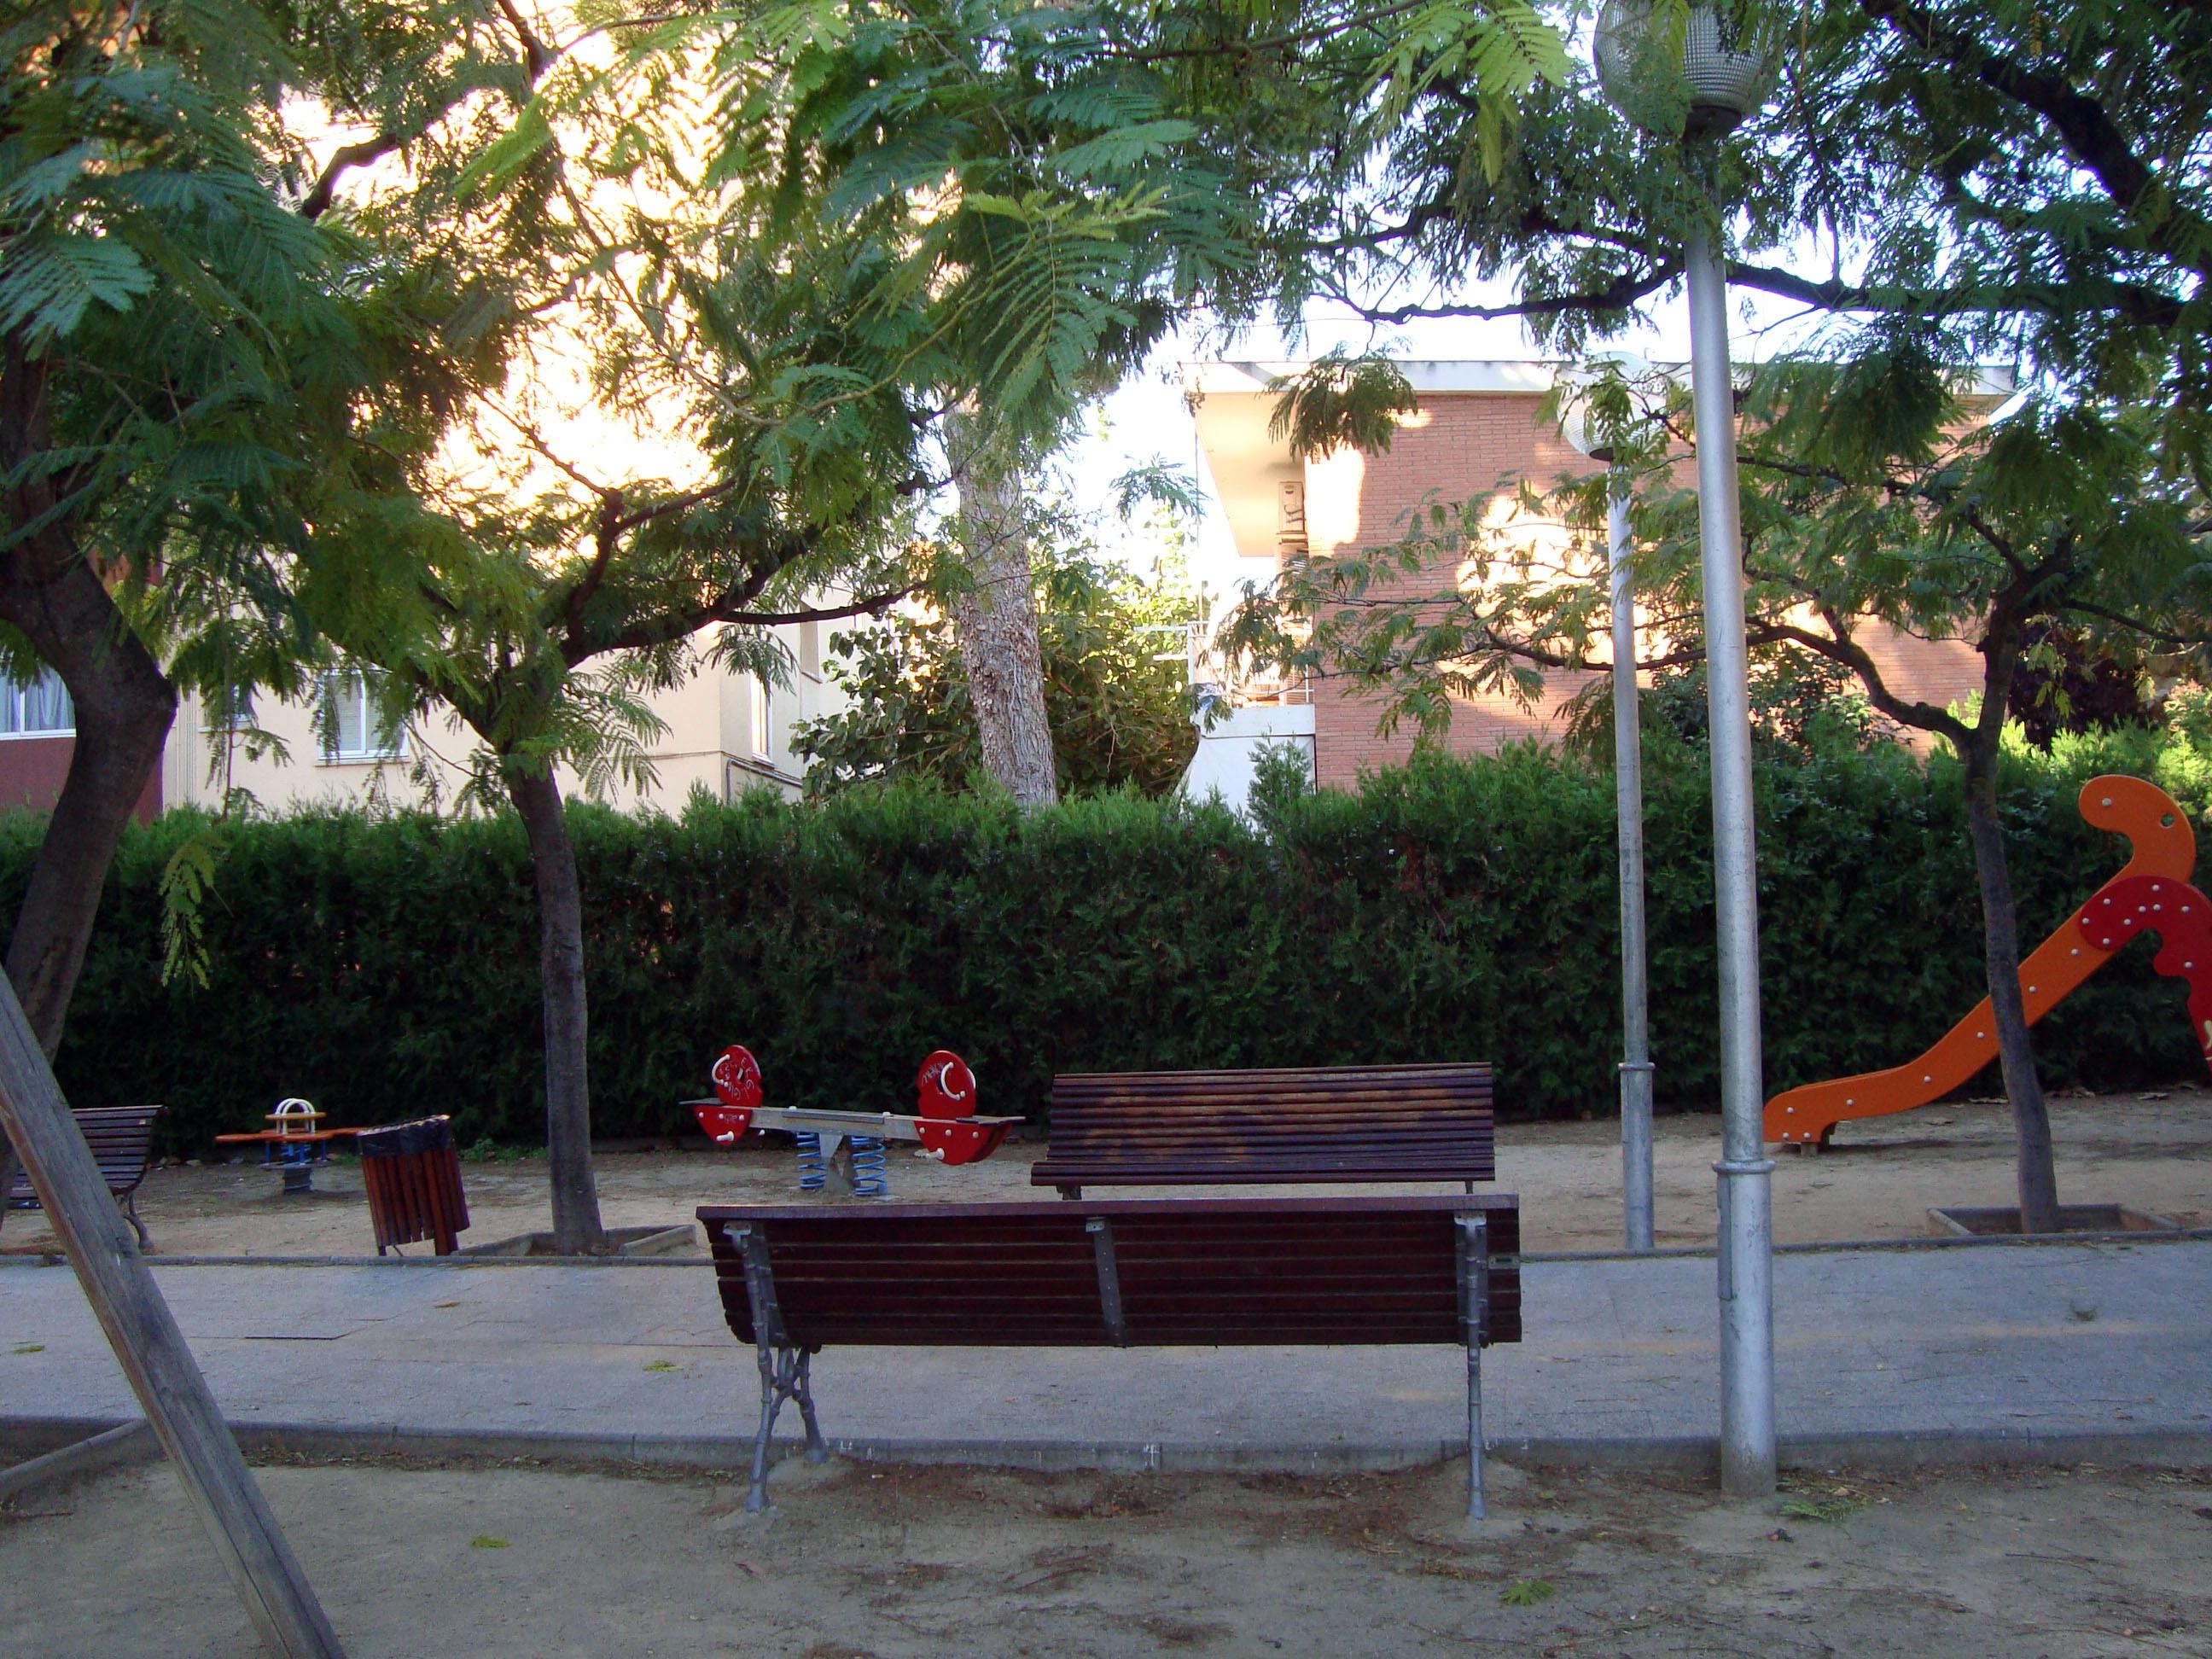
[413, 1176]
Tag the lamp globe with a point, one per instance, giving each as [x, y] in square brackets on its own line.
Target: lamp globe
[1688, 73]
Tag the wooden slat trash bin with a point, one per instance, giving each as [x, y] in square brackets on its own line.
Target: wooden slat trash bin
[413, 1176]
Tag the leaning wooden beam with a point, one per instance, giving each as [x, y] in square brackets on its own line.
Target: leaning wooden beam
[150, 1349]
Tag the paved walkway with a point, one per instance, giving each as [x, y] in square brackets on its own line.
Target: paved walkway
[2073, 1350]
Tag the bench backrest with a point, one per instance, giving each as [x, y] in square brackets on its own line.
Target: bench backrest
[120, 1137]
[1334, 1123]
[1186, 1271]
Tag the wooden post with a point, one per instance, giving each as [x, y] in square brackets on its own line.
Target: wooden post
[151, 1350]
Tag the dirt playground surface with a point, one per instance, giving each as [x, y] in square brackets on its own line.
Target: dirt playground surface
[2151, 1151]
[857, 1561]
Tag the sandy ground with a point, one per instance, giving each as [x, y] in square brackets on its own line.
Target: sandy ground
[2151, 1152]
[857, 1561]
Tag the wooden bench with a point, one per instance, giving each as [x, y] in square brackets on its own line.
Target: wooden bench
[1146, 1273]
[1220, 1128]
[121, 1138]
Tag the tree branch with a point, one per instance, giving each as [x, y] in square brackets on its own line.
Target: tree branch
[1620, 294]
[730, 607]
[2082, 124]
[2133, 624]
[345, 158]
[537, 57]
[607, 537]
[1838, 647]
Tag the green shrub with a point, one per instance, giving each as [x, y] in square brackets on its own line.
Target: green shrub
[386, 967]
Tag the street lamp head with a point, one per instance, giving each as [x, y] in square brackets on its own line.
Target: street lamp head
[1579, 424]
[1692, 72]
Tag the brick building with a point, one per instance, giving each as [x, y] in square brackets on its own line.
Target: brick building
[1476, 434]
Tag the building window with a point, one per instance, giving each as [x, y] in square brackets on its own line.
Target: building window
[810, 649]
[36, 707]
[351, 729]
[763, 710]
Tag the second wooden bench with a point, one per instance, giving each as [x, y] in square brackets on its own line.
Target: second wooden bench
[1307, 1124]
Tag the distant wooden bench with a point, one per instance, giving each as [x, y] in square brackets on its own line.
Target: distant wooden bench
[121, 1138]
[1313, 1124]
[1146, 1272]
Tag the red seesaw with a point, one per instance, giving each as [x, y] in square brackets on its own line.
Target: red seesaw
[944, 1121]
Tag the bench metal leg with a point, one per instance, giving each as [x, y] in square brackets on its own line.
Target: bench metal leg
[783, 1374]
[818, 1450]
[1474, 1505]
[131, 1215]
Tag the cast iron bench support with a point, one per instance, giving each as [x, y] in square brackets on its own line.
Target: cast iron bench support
[783, 1368]
[1208, 1271]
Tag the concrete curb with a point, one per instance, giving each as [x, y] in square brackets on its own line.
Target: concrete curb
[1670, 1252]
[1682, 1455]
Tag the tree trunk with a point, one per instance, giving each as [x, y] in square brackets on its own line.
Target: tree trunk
[576, 1227]
[2031, 1117]
[996, 622]
[124, 706]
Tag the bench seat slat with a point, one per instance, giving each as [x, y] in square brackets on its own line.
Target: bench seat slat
[1210, 1157]
[1306, 1096]
[1365, 1134]
[1352, 1074]
[1281, 1175]
[1257, 1290]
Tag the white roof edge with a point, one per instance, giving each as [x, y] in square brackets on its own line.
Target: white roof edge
[1504, 374]
[1426, 374]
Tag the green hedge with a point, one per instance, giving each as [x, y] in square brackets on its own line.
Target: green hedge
[386, 966]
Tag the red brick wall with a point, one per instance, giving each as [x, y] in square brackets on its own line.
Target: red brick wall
[32, 769]
[1460, 447]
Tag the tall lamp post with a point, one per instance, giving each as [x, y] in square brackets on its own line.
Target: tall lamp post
[1694, 80]
[1636, 1070]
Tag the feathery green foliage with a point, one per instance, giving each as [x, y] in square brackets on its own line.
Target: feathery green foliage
[1058, 186]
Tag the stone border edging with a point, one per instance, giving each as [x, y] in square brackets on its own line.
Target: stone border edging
[2032, 1242]
[1683, 1454]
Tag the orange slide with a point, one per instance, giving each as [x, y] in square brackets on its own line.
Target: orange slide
[2162, 845]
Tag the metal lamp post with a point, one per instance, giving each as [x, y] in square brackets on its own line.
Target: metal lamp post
[1697, 82]
[1635, 1069]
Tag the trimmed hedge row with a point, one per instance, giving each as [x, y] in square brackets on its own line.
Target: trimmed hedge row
[386, 967]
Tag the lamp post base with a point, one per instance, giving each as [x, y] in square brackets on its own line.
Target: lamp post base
[1746, 1310]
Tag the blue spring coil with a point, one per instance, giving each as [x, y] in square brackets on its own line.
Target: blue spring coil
[813, 1167]
[870, 1168]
